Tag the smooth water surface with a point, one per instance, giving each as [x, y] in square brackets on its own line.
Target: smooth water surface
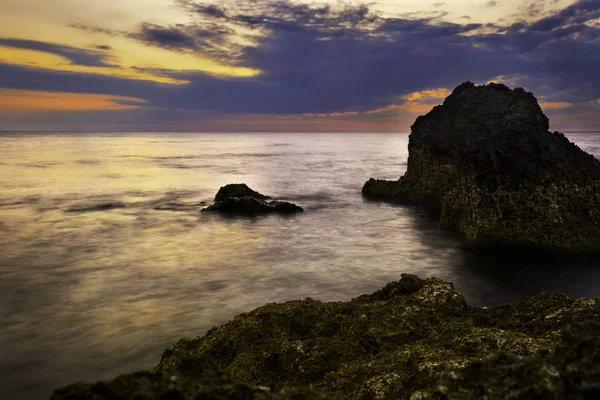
[88, 293]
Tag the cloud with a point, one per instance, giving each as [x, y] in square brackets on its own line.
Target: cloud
[96, 29]
[555, 105]
[77, 56]
[18, 101]
[211, 11]
[347, 62]
[171, 38]
[491, 3]
[208, 39]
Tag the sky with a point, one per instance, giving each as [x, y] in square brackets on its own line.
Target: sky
[286, 66]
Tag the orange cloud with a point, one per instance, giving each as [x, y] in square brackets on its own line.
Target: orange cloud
[410, 107]
[555, 105]
[12, 100]
[416, 102]
[439, 93]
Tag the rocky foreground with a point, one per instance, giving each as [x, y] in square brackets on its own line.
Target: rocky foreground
[413, 339]
[486, 163]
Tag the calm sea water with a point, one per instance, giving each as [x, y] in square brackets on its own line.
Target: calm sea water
[92, 294]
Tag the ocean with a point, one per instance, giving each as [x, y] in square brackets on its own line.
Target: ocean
[88, 292]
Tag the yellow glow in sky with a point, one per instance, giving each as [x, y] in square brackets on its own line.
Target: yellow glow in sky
[50, 20]
[31, 100]
[181, 62]
[39, 59]
[439, 93]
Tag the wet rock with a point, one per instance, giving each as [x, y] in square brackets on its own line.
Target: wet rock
[238, 190]
[414, 337]
[240, 199]
[486, 163]
[250, 206]
[194, 381]
[95, 207]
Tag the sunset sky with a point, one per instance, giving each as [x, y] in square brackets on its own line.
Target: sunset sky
[302, 66]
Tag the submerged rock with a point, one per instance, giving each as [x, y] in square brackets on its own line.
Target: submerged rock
[240, 199]
[178, 206]
[487, 164]
[405, 338]
[96, 207]
[390, 344]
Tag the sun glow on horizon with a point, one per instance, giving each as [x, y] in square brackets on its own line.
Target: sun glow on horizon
[13, 100]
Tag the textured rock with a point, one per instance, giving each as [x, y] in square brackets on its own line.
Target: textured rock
[403, 340]
[238, 190]
[194, 380]
[487, 164]
[240, 199]
[250, 206]
[571, 371]
[384, 345]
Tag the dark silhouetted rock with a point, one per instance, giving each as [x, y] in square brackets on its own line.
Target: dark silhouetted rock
[487, 164]
[385, 345]
[238, 190]
[240, 199]
[250, 206]
[96, 207]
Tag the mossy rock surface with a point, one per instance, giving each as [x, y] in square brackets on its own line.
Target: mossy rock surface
[194, 380]
[401, 341]
[380, 346]
[487, 164]
[570, 371]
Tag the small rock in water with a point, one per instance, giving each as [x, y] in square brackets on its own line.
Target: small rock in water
[238, 190]
[240, 199]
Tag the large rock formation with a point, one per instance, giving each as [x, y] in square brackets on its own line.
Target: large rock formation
[238, 198]
[401, 341]
[486, 162]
